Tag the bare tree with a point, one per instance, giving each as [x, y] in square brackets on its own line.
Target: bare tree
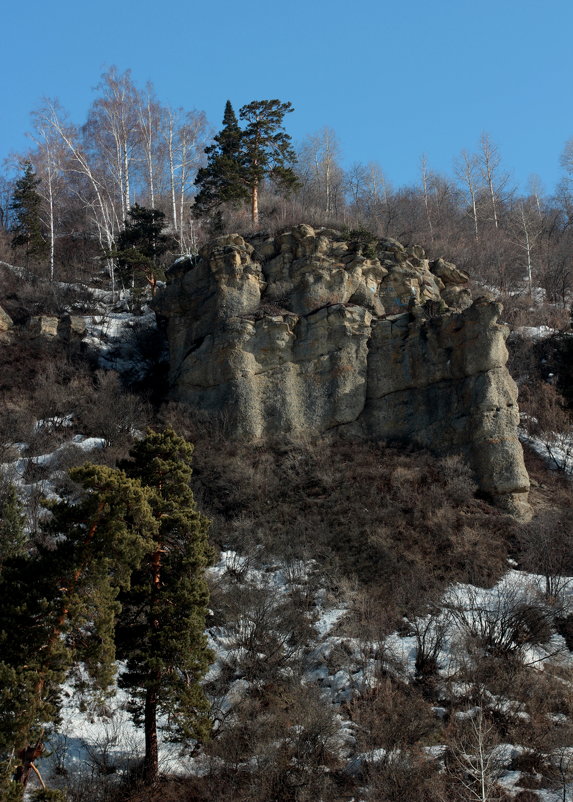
[371, 194]
[466, 167]
[547, 544]
[475, 764]
[494, 180]
[185, 135]
[425, 178]
[150, 119]
[525, 228]
[49, 160]
[319, 170]
[90, 185]
[112, 133]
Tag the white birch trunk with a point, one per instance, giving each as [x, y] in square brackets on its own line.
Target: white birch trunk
[424, 166]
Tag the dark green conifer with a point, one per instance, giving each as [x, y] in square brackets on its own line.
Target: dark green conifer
[222, 180]
[12, 535]
[59, 604]
[240, 159]
[161, 629]
[27, 228]
[267, 148]
[141, 244]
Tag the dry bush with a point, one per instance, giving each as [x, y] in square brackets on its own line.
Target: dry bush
[526, 796]
[106, 410]
[405, 775]
[546, 547]
[520, 310]
[391, 716]
[386, 518]
[267, 632]
[279, 744]
[503, 624]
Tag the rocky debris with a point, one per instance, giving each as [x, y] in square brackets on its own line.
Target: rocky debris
[311, 331]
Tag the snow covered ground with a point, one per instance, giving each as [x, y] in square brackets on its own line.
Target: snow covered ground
[113, 337]
[87, 742]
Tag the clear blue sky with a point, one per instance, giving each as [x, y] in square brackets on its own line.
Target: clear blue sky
[393, 79]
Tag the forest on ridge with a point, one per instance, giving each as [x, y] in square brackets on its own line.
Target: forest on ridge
[132, 149]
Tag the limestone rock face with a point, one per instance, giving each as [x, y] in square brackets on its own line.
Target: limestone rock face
[309, 331]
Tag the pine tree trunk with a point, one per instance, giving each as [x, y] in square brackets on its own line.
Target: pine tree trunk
[151, 763]
[255, 204]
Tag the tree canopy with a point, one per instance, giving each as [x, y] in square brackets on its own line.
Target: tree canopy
[160, 632]
[141, 244]
[119, 572]
[27, 227]
[240, 159]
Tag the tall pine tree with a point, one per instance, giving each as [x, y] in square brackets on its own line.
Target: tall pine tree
[222, 180]
[120, 572]
[27, 228]
[161, 629]
[59, 604]
[240, 159]
[267, 148]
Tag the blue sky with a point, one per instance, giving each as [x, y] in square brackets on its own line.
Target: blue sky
[395, 80]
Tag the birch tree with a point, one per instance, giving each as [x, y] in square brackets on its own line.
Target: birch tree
[466, 169]
[371, 193]
[494, 180]
[476, 763]
[319, 171]
[185, 135]
[425, 179]
[49, 160]
[149, 120]
[90, 185]
[112, 134]
[524, 229]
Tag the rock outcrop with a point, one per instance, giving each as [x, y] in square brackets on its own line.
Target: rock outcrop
[310, 331]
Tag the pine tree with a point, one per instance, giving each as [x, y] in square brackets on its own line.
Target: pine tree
[222, 180]
[239, 160]
[161, 629]
[27, 228]
[267, 148]
[59, 605]
[12, 535]
[141, 245]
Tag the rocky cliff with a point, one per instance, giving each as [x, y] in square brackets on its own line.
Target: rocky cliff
[312, 331]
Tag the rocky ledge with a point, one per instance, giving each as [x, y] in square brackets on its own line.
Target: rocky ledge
[311, 331]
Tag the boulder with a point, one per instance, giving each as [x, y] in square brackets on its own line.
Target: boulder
[6, 322]
[43, 326]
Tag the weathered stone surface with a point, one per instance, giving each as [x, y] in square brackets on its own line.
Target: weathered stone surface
[304, 332]
[6, 322]
[43, 326]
